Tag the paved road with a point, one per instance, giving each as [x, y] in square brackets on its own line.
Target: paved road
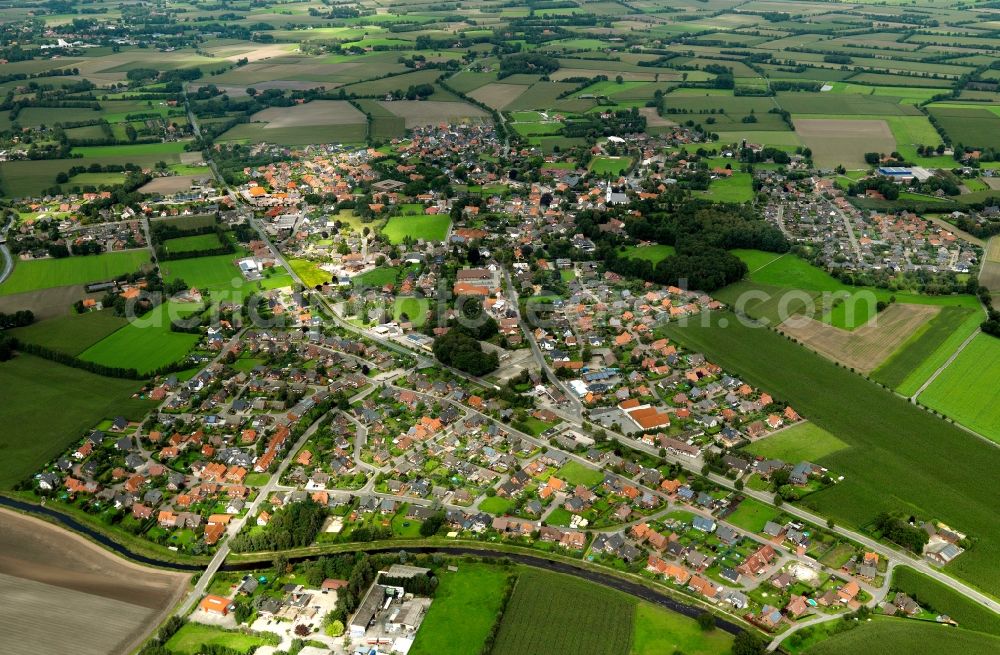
[577, 406]
[201, 587]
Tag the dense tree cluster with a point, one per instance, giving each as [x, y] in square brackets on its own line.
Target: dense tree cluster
[460, 350]
[293, 527]
[530, 63]
[20, 318]
[896, 530]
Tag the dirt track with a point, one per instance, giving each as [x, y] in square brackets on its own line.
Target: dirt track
[47, 568]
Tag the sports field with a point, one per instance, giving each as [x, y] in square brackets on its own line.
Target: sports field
[427, 227]
[894, 460]
[610, 166]
[969, 389]
[34, 433]
[49, 273]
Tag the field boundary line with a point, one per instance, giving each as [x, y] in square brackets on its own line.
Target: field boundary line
[763, 266]
[947, 363]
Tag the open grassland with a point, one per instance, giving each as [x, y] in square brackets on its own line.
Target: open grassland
[802, 442]
[549, 612]
[737, 187]
[219, 275]
[34, 435]
[868, 346]
[659, 632]
[933, 595]
[927, 349]
[470, 598]
[905, 637]
[427, 227]
[73, 333]
[145, 343]
[894, 462]
[968, 125]
[968, 390]
[49, 273]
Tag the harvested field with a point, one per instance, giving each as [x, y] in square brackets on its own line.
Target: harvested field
[65, 594]
[653, 119]
[317, 112]
[432, 112]
[498, 95]
[46, 303]
[844, 142]
[867, 346]
[174, 183]
[989, 276]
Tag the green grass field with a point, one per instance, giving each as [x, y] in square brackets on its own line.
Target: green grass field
[415, 309]
[567, 615]
[192, 243]
[35, 434]
[496, 505]
[804, 441]
[833, 302]
[310, 272]
[894, 462]
[71, 334]
[660, 632]
[147, 343]
[654, 253]
[49, 273]
[218, 274]
[575, 473]
[377, 277]
[429, 228]
[469, 598]
[737, 187]
[610, 166]
[905, 637]
[927, 349]
[752, 515]
[968, 389]
[190, 639]
[933, 595]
